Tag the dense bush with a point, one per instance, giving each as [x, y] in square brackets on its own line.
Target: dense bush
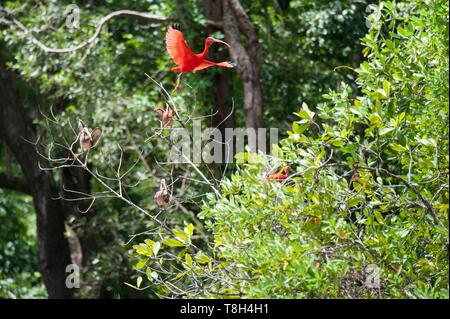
[368, 195]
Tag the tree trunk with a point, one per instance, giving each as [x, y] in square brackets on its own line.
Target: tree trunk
[220, 90]
[78, 179]
[235, 21]
[15, 129]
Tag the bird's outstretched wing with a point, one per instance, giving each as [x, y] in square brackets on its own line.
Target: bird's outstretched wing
[177, 46]
[96, 134]
[206, 64]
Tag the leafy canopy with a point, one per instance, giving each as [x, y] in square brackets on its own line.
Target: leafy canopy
[368, 197]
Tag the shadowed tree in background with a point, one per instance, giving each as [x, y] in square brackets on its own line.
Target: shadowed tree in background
[15, 130]
[237, 22]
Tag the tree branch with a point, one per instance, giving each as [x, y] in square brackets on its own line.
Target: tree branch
[14, 183]
[110, 16]
[243, 20]
[409, 186]
[215, 24]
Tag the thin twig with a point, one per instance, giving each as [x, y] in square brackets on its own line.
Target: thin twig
[91, 40]
[426, 203]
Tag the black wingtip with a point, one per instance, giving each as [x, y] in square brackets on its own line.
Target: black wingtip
[177, 26]
[233, 63]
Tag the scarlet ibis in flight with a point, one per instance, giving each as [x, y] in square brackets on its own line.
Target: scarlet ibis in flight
[183, 56]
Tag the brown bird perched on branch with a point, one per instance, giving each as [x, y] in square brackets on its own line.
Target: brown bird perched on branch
[163, 197]
[166, 117]
[88, 139]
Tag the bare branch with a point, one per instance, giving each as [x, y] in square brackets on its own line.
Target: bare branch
[93, 38]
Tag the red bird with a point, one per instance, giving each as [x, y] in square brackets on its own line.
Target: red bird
[183, 56]
[281, 175]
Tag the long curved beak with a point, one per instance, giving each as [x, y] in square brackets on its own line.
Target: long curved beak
[220, 41]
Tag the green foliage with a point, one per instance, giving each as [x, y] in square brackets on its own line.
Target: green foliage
[368, 195]
[369, 179]
[19, 276]
[304, 47]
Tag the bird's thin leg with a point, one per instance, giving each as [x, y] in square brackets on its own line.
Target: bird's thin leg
[178, 86]
[86, 158]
